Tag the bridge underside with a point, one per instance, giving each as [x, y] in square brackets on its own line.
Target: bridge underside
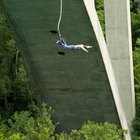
[74, 84]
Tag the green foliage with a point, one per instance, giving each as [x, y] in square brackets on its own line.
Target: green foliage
[135, 24]
[138, 42]
[131, 5]
[99, 5]
[137, 90]
[29, 125]
[15, 93]
[94, 131]
[135, 16]
[37, 124]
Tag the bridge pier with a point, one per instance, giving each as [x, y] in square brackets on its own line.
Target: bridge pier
[119, 43]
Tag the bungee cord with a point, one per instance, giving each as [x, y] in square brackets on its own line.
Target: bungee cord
[60, 17]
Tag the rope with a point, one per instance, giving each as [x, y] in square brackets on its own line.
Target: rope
[59, 21]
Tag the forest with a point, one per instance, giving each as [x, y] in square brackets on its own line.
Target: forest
[21, 118]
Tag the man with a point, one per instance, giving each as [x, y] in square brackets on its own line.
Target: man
[80, 46]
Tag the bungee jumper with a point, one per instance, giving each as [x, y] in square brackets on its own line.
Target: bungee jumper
[62, 43]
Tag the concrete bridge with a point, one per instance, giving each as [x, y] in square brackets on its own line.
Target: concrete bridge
[96, 86]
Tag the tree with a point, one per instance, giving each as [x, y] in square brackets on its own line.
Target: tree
[136, 59]
[15, 92]
[138, 42]
[37, 125]
[94, 131]
[29, 125]
[135, 16]
[99, 5]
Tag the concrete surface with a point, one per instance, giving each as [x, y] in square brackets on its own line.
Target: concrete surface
[119, 43]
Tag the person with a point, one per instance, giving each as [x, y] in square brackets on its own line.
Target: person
[62, 43]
